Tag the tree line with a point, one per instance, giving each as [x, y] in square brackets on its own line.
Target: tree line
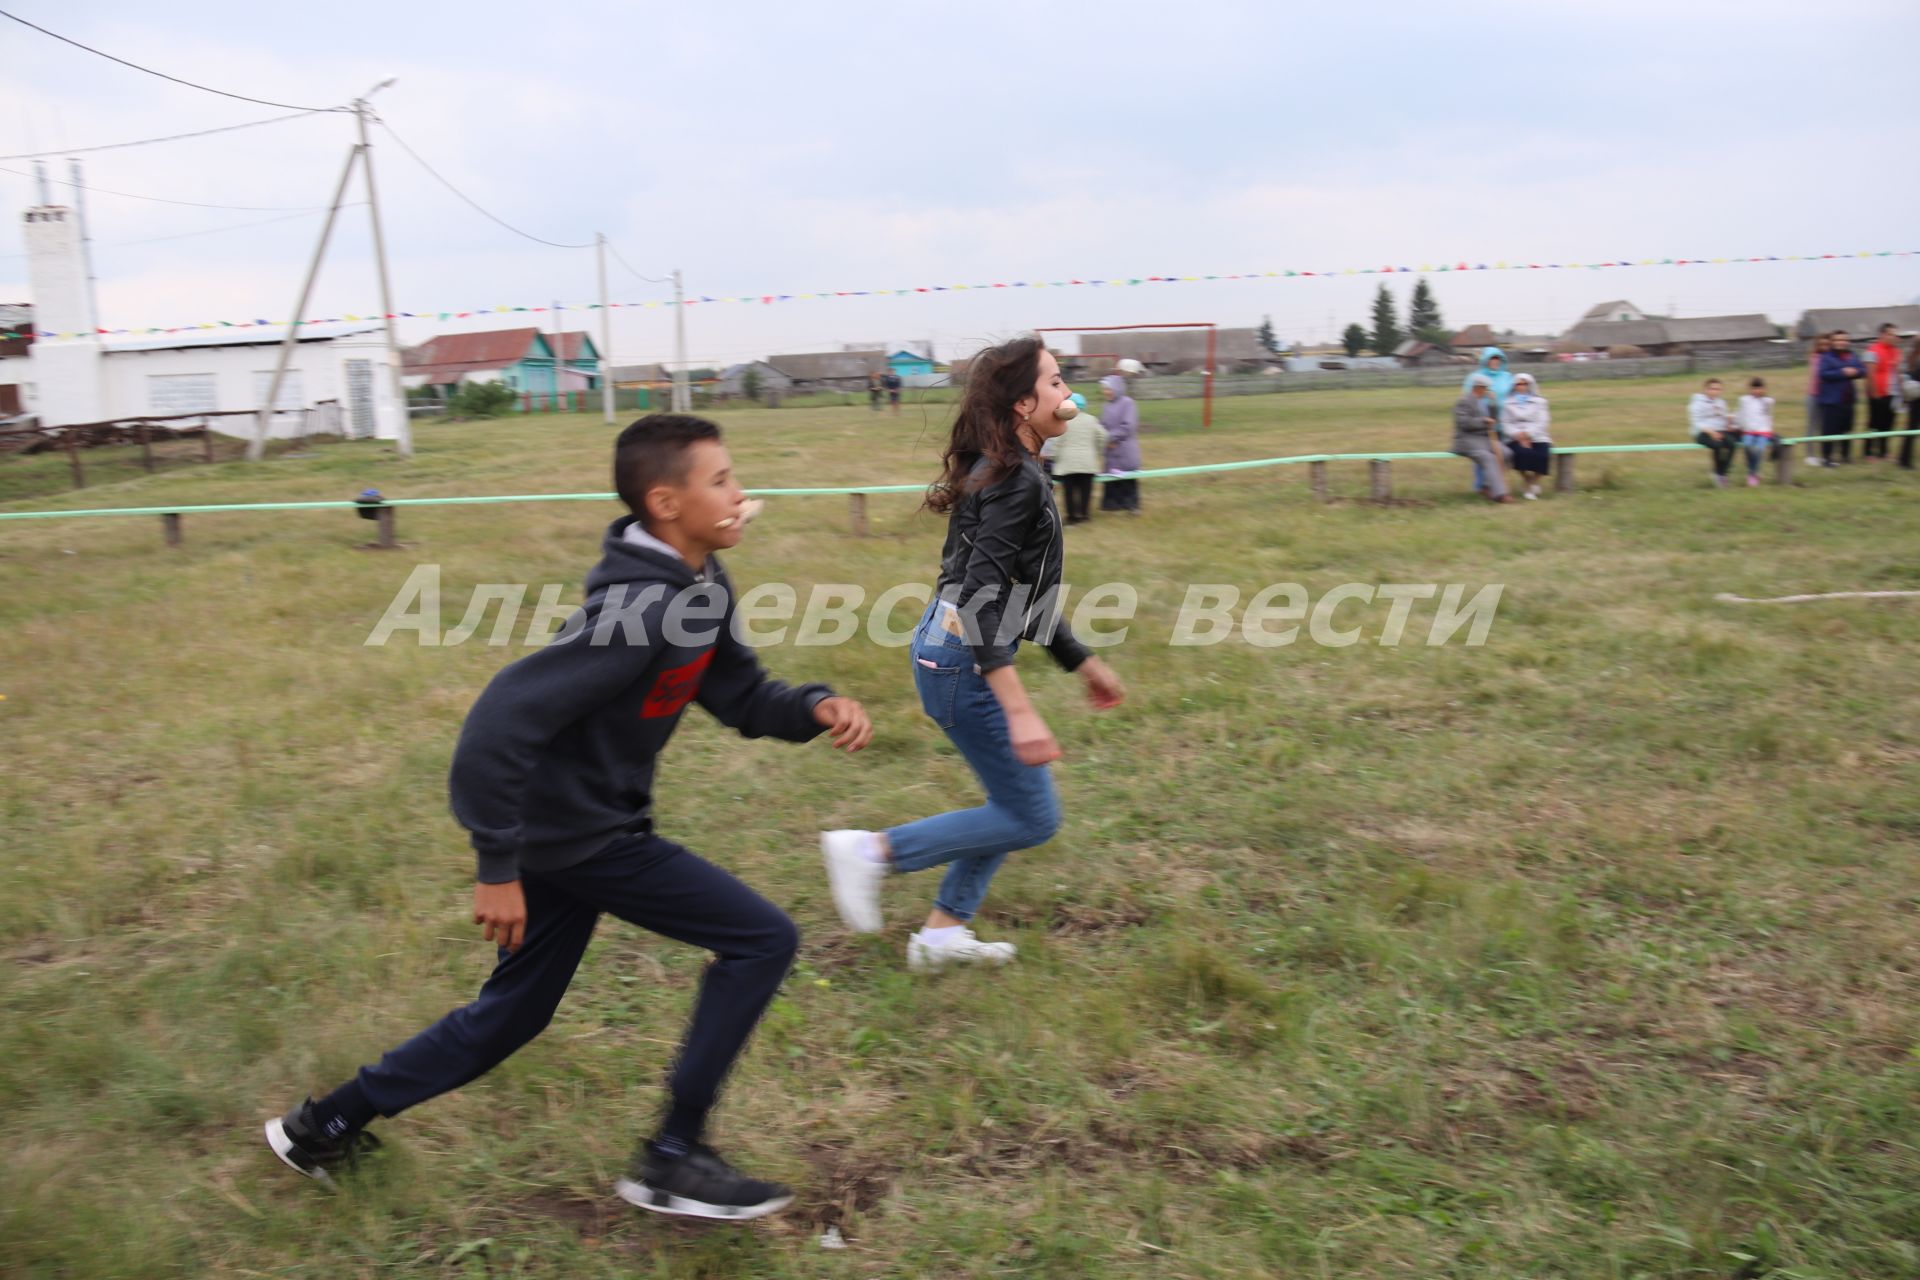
[1387, 333]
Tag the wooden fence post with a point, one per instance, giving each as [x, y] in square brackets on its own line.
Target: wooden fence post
[170, 527]
[1317, 477]
[73, 457]
[1380, 479]
[146, 446]
[1783, 464]
[1563, 473]
[857, 509]
[384, 518]
[206, 441]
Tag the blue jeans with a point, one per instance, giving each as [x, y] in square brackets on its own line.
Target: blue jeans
[1021, 809]
[1757, 448]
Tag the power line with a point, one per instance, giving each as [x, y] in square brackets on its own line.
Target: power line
[555, 244]
[163, 75]
[209, 231]
[172, 137]
[192, 204]
[237, 226]
[635, 274]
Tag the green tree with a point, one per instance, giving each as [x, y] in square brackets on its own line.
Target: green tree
[1354, 339]
[750, 384]
[1423, 314]
[1386, 325]
[1267, 341]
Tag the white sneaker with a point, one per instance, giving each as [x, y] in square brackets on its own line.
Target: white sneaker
[925, 957]
[1533, 495]
[854, 878]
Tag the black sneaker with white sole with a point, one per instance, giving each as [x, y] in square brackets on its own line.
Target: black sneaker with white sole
[304, 1146]
[699, 1184]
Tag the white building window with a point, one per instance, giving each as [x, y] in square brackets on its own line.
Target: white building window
[293, 395]
[169, 393]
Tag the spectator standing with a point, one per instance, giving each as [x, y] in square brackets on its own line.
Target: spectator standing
[1910, 392]
[1076, 457]
[1840, 371]
[1883, 384]
[1821, 345]
[1121, 418]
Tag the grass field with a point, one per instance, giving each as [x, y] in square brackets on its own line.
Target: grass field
[1591, 952]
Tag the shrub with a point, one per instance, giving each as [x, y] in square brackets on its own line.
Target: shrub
[481, 400]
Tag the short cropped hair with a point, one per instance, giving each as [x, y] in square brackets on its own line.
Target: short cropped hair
[653, 451]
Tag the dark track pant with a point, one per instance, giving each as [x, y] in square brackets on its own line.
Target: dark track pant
[1722, 449]
[1836, 424]
[1879, 418]
[1078, 491]
[643, 880]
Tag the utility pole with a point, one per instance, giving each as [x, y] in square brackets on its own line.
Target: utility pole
[257, 447]
[682, 394]
[403, 433]
[606, 332]
[86, 242]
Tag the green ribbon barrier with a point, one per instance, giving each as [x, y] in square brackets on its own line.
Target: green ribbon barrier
[1154, 473]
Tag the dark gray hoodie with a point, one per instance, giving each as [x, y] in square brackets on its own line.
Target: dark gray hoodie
[555, 760]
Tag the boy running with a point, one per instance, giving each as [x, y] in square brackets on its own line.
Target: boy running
[552, 778]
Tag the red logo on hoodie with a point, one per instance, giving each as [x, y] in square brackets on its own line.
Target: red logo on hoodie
[675, 689]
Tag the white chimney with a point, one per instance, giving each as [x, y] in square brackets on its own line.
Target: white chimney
[67, 373]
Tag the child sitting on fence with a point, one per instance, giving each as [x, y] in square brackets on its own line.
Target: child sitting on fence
[1711, 427]
[1754, 419]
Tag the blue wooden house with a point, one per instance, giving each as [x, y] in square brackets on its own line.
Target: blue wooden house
[908, 363]
[520, 358]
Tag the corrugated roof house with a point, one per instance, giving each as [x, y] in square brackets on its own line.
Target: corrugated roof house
[1174, 350]
[1676, 335]
[830, 370]
[1859, 322]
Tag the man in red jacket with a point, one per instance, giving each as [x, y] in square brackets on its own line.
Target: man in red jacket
[1883, 383]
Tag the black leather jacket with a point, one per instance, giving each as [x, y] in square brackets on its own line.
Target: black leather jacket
[1000, 568]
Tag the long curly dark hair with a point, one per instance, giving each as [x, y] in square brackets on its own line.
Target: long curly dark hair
[985, 425]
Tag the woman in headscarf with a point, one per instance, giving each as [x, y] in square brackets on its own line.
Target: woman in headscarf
[1493, 367]
[1474, 425]
[1121, 418]
[1526, 426]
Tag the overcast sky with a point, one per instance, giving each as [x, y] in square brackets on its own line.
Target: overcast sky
[784, 148]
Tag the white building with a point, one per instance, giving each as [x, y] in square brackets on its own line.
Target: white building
[76, 375]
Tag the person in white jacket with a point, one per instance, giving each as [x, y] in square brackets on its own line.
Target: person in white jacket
[1076, 459]
[1527, 428]
[1754, 418]
[1711, 426]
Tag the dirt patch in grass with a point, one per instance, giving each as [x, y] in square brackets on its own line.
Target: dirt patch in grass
[848, 1183]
